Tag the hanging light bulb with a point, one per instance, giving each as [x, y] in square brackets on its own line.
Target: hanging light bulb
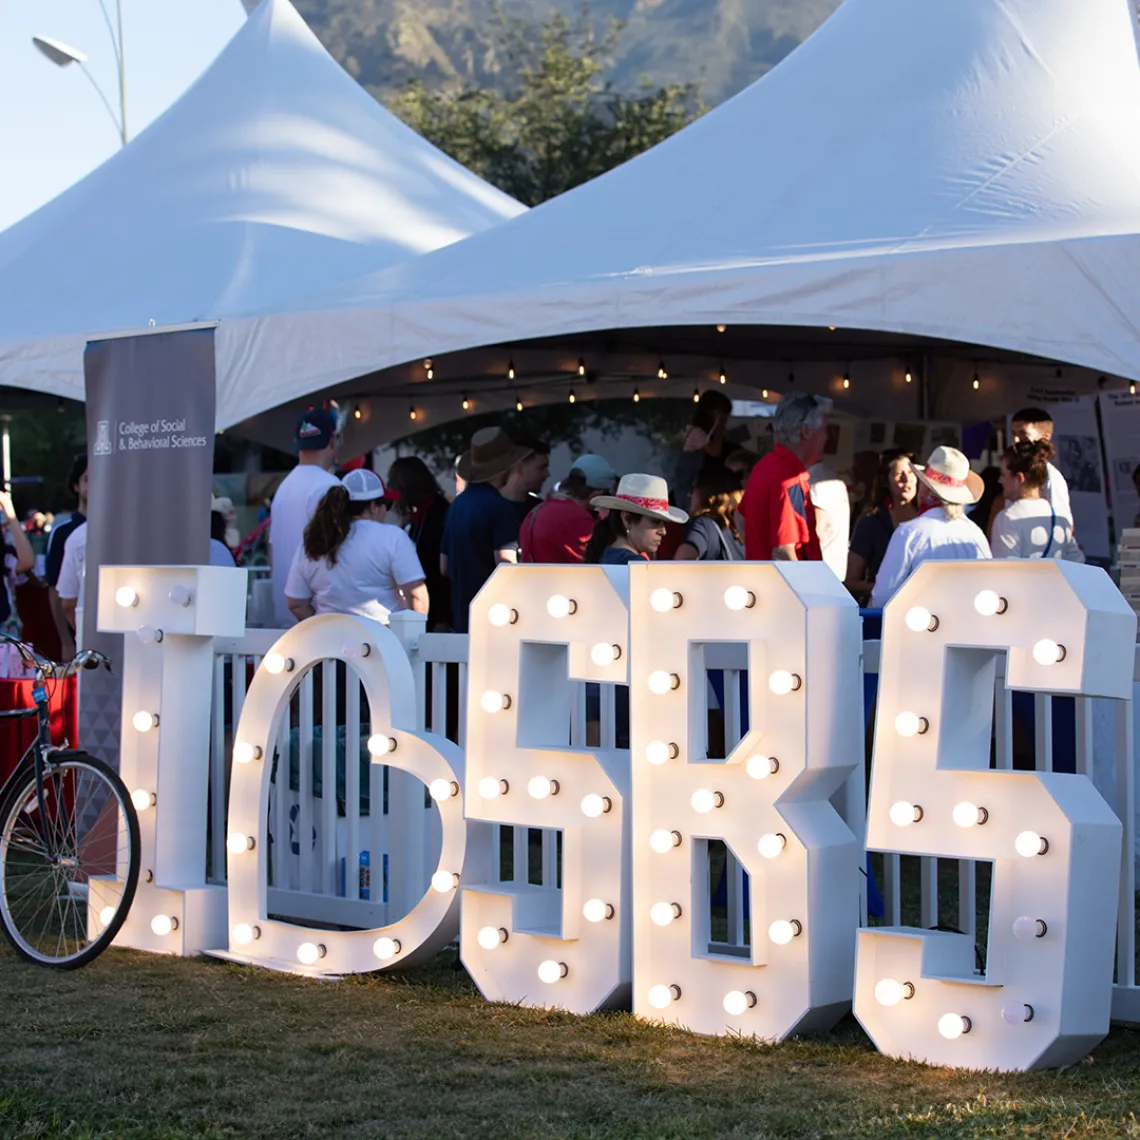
[572, 396]
[636, 396]
[763, 393]
[720, 328]
[510, 369]
[412, 413]
[977, 382]
[581, 367]
[723, 377]
[466, 403]
[909, 376]
[428, 369]
[847, 377]
[518, 404]
[1132, 388]
[357, 412]
[696, 395]
[661, 373]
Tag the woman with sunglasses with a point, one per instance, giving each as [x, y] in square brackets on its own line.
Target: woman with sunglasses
[351, 561]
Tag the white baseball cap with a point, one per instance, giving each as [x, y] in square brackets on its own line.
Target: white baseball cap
[363, 485]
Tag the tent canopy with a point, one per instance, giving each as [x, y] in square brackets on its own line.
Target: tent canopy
[276, 173]
[964, 170]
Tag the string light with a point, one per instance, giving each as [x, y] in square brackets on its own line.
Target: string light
[661, 373]
[909, 377]
[977, 382]
[412, 413]
[720, 328]
[847, 376]
[573, 398]
[696, 395]
[428, 369]
[1132, 388]
[723, 377]
[357, 412]
[510, 369]
[581, 366]
[518, 404]
[466, 402]
[636, 396]
[763, 393]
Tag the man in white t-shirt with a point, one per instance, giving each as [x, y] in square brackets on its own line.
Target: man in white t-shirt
[297, 498]
[946, 486]
[1032, 424]
[832, 516]
[69, 585]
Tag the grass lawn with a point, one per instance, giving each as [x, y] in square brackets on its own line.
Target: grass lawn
[143, 1046]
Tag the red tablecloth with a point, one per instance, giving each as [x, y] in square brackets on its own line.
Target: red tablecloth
[16, 735]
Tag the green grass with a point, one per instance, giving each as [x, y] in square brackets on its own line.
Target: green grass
[144, 1046]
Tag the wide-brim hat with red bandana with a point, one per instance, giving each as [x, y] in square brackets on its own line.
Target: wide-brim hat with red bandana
[947, 473]
[642, 495]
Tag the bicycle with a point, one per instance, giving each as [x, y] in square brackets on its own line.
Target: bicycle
[69, 838]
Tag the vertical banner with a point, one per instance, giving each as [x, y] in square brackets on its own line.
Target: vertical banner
[1076, 440]
[1120, 416]
[150, 433]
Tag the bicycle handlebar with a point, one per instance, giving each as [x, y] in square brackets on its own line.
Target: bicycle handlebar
[84, 659]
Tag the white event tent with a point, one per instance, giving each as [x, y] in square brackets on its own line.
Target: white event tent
[960, 171]
[275, 174]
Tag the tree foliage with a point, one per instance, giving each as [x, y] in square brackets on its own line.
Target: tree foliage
[554, 121]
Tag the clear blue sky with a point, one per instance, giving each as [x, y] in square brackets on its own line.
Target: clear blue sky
[53, 128]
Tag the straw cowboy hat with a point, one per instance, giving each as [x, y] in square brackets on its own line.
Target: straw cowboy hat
[947, 473]
[642, 495]
[492, 453]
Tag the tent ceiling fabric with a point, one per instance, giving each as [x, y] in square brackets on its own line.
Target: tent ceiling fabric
[954, 169]
[275, 174]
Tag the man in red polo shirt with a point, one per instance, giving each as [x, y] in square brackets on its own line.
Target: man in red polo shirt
[558, 529]
[779, 519]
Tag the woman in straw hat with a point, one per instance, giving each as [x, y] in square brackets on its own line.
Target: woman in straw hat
[635, 525]
[946, 486]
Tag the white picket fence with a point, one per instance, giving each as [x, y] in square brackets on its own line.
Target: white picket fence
[323, 881]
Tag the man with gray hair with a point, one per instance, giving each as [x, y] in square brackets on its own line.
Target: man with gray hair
[779, 518]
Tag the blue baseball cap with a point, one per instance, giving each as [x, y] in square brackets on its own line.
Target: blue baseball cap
[314, 429]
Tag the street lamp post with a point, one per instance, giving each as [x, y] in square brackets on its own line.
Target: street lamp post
[63, 56]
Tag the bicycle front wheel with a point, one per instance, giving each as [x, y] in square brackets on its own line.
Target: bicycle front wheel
[69, 861]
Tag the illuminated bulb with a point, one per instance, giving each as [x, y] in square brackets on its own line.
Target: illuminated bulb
[237, 843]
[1029, 843]
[490, 788]
[662, 840]
[444, 881]
[953, 1025]
[987, 603]
[704, 801]
[148, 635]
[1026, 927]
[106, 914]
[889, 992]
[909, 376]
[846, 380]
[412, 413]
[581, 367]
[144, 721]
[737, 1002]
[782, 931]
[276, 663]
[142, 799]
[977, 382]
[723, 377]
[967, 814]
[763, 393]
[1047, 652]
[572, 396]
[518, 405]
[911, 724]
[244, 933]
[596, 910]
[661, 997]
[540, 787]
[443, 789]
[738, 598]
[604, 653]
[492, 937]
[380, 745]
[386, 948]
[126, 597]
[1016, 1013]
[163, 924]
[696, 395]
[355, 650]
[493, 702]
[761, 767]
[551, 971]
[560, 606]
[658, 752]
[501, 615]
[661, 682]
[510, 369]
[466, 404]
[594, 805]
[636, 396]
[782, 682]
[920, 620]
[309, 953]
[357, 412]
[244, 752]
[661, 373]
[771, 845]
[903, 814]
[663, 913]
[180, 596]
[665, 600]
[720, 328]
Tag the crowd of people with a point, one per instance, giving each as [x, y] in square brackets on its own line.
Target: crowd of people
[332, 548]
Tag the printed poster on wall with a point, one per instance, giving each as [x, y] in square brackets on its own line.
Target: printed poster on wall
[1120, 415]
[150, 431]
[1076, 440]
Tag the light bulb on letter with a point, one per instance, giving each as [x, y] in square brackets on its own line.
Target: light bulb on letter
[664, 600]
[493, 701]
[704, 801]
[658, 752]
[660, 997]
[163, 924]
[597, 910]
[106, 914]
[1029, 843]
[237, 843]
[180, 596]
[444, 881]
[1016, 1013]
[987, 603]
[782, 682]
[540, 787]
[126, 597]
[594, 805]
[771, 845]
[909, 724]
[309, 953]
[782, 932]
[142, 799]
[661, 682]
[441, 789]
[560, 606]
[738, 598]
[604, 653]
[761, 767]
[551, 971]
[144, 721]
[274, 663]
[489, 788]
[244, 752]
[380, 745]
[953, 1025]
[967, 814]
[148, 635]
[903, 814]
[889, 992]
[662, 840]
[491, 937]
[244, 933]
[1047, 652]
[386, 948]
[663, 913]
[1026, 927]
[921, 620]
[737, 1002]
[501, 615]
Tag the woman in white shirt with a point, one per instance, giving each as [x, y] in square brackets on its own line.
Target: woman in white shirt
[1030, 526]
[350, 561]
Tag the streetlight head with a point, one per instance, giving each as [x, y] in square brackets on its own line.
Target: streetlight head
[59, 53]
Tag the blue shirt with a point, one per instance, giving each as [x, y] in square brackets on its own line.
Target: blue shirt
[619, 556]
[479, 523]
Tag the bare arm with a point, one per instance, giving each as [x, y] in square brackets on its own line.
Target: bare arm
[686, 552]
[415, 596]
[785, 553]
[25, 556]
[300, 608]
[507, 554]
[66, 641]
[67, 605]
